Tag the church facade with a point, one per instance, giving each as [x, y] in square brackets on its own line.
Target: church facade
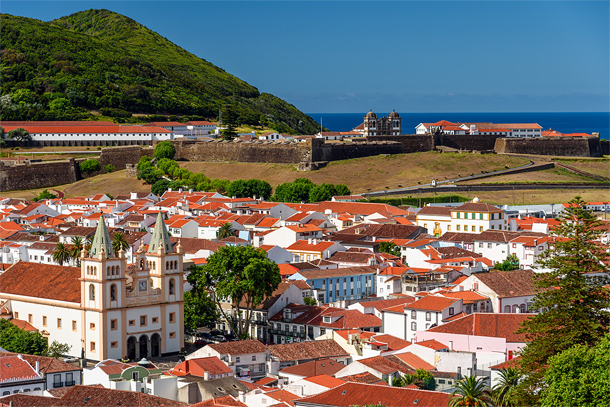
[383, 126]
[105, 308]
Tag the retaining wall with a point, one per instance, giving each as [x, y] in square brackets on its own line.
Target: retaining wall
[38, 175]
[555, 146]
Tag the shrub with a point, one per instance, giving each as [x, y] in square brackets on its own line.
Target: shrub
[109, 168]
[165, 149]
[90, 166]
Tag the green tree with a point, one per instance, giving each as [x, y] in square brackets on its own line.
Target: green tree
[57, 349]
[2, 132]
[165, 149]
[199, 309]
[503, 393]
[119, 242]
[324, 192]
[90, 166]
[159, 187]
[20, 134]
[579, 376]
[249, 188]
[17, 340]
[421, 378]
[572, 309]
[244, 277]
[310, 301]
[470, 391]
[390, 248]
[297, 191]
[61, 254]
[109, 168]
[229, 120]
[60, 105]
[511, 263]
[342, 190]
[76, 248]
[225, 230]
[44, 195]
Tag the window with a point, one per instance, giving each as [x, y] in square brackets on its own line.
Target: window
[507, 309]
[135, 376]
[451, 311]
[113, 292]
[74, 325]
[254, 358]
[92, 346]
[92, 326]
[481, 216]
[449, 228]
[114, 344]
[461, 288]
[142, 320]
[172, 286]
[30, 318]
[44, 321]
[457, 215]
[132, 322]
[489, 245]
[91, 292]
[514, 245]
[155, 320]
[414, 326]
[57, 380]
[322, 331]
[58, 323]
[457, 228]
[113, 324]
[237, 359]
[476, 286]
[474, 228]
[172, 334]
[16, 315]
[172, 316]
[480, 228]
[428, 316]
[480, 245]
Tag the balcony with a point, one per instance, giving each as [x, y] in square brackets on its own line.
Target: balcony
[70, 383]
[58, 384]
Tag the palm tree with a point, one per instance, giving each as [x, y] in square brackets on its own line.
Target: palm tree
[225, 230]
[77, 246]
[470, 391]
[119, 242]
[61, 254]
[504, 390]
[89, 243]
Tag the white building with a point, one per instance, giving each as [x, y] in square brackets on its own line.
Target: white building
[103, 308]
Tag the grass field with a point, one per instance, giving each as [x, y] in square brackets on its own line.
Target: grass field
[597, 167]
[361, 174]
[550, 176]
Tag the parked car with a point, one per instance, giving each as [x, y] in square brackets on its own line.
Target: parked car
[218, 338]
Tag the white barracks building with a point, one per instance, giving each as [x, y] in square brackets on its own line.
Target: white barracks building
[471, 217]
[102, 307]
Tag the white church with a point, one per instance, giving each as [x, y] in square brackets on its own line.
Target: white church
[103, 308]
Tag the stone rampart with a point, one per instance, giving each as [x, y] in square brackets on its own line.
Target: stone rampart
[38, 175]
[322, 151]
[411, 143]
[119, 157]
[243, 151]
[469, 142]
[555, 146]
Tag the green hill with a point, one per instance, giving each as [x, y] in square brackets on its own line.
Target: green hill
[98, 60]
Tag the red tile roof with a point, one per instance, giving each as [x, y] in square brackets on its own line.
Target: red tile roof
[15, 368]
[224, 401]
[314, 368]
[350, 394]
[414, 361]
[239, 347]
[484, 324]
[432, 303]
[310, 350]
[325, 380]
[198, 367]
[433, 344]
[42, 281]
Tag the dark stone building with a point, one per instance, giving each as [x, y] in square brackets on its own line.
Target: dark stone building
[384, 126]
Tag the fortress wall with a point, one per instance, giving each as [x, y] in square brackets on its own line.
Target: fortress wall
[344, 151]
[121, 156]
[411, 143]
[38, 175]
[556, 146]
[271, 152]
[467, 142]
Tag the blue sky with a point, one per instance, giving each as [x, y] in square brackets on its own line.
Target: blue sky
[412, 56]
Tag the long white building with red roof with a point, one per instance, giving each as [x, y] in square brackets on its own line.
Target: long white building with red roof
[501, 129]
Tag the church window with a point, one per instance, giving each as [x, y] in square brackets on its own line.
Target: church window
[112, 270]
[113, 292]
[142, 320]
[176, 265]
[92, 346]
[118, 270]
[155, 320]
[172, 334]
[92, 326]
[114, 344]
[44, 320]
[167, 265]
[172, 316]
[74, 325]
[113, 324]
[141, 264]
[132, 322]
[91, 292]
[172, 286]
[58, 323]
[108, 270]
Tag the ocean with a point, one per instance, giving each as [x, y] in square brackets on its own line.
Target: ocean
[581, 122]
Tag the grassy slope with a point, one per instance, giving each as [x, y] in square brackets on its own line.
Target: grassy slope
[550, 176]
[110, 60]
[597, 167]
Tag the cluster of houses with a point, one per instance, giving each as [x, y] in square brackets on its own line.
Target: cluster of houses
[370, 293]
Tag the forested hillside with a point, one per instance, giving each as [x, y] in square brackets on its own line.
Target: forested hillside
[98, 60]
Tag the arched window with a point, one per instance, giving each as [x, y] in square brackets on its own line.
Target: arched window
[91, 292]
[176, 265]
[507, 309]
[95, 271]
[113, 270]
[88, 269]
[172, 286]
[141, 264]
[118, 270]
[113, 292]
[108, 270]
[167, 265]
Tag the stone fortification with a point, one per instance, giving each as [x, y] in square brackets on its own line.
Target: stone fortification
[411, 143]
[555, 146]
[119, 157]
[38, 175]
[321, 151]
[243, 151]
